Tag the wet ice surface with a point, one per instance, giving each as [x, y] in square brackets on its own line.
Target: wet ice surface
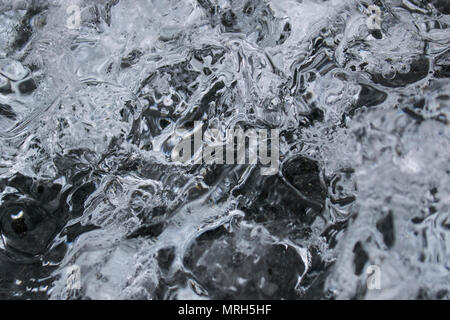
[88, 116]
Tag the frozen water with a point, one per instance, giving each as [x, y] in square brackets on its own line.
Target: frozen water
[92, 94]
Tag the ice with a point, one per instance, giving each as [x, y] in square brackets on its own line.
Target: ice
[92, 204]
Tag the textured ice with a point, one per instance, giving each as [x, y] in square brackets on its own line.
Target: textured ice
[359, 89]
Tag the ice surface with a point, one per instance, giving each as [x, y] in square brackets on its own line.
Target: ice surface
[359, 90]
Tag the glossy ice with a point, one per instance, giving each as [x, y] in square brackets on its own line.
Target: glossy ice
[93, 95]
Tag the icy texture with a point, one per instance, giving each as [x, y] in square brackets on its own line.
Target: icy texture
[88, 116]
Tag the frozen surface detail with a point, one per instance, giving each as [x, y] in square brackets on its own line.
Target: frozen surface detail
[92, 206]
